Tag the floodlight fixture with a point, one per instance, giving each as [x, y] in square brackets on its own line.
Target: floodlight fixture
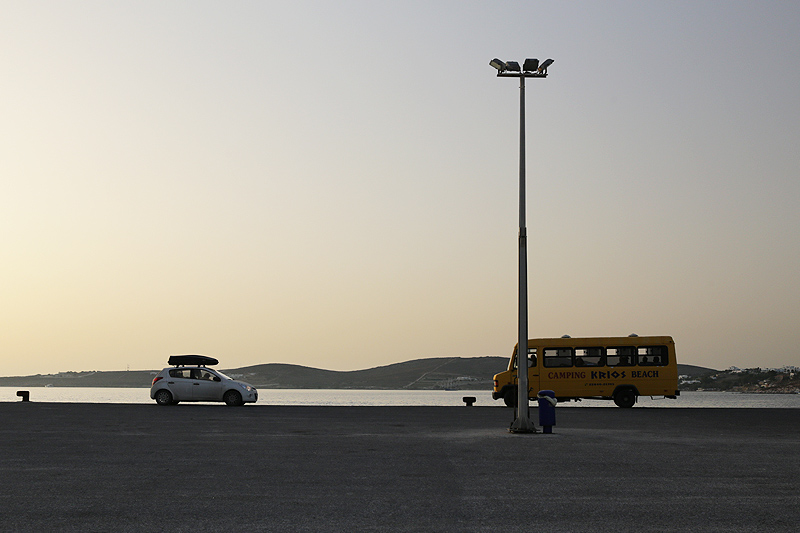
[531, 68]
[530, 65]
[543, 67]
[499, 65]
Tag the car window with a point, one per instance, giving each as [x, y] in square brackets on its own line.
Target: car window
[206, 375]
[179, 373]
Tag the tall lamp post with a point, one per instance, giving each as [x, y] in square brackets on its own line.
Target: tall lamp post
[530, 69]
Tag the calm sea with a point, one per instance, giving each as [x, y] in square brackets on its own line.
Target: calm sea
[395, 398]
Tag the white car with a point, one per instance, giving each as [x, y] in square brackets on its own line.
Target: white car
[191, 381]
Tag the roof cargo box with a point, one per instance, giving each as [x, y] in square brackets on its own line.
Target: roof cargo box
[200, 360]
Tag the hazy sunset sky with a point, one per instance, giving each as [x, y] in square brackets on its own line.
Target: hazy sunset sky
[334, 184]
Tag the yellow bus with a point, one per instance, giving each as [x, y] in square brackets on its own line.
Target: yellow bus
[607, 368]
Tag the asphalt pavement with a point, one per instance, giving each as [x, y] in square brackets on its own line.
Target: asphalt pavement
[116, 467]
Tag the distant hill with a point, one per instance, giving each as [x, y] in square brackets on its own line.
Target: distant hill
[470, 373]
[435, 373]
[462, 373]
[694, 372]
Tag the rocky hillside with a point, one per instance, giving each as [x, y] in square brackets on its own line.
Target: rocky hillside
[460, 373]
[472, 373]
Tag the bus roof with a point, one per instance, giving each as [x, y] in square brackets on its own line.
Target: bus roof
[600, 341]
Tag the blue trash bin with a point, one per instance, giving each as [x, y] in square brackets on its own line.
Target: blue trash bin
[547, 410]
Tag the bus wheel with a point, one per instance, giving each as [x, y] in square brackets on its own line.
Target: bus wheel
[625, 397]
[510, 397]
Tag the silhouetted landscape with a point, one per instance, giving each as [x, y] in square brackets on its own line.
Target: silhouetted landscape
[454, 373]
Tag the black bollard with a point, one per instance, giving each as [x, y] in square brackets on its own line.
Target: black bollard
[469, 400]
[25, 395]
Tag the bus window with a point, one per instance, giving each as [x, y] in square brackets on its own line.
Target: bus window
[531, 358]
[652, 356]
[557, 357]
[588, 357]
[620, 356]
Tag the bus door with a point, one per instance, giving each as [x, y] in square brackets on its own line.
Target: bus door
[533, 372]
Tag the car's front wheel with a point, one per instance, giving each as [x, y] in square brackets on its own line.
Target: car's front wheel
[164, 397]
[233, 397]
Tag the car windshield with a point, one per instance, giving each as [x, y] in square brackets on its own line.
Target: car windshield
[222, 375]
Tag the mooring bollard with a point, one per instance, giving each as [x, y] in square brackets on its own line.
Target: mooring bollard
[25, 395]
[469, 400]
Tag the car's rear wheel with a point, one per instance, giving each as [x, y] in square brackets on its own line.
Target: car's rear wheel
[164, 397]
[233, 397]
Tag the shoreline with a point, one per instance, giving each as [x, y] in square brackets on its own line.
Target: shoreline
[363, 397]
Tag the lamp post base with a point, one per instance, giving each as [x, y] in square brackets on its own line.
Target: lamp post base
[522, 425]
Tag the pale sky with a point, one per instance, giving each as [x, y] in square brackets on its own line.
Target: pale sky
[334, 184]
